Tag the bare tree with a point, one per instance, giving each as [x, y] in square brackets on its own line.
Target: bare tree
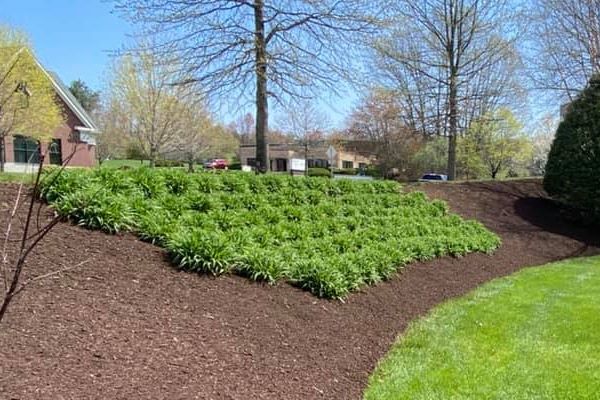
[378, 120]
[257, 49]
[450, 62]
[34, 228]
[200, 137]
[565, 45]
[305, 123]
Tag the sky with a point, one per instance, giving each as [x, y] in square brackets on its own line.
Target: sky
[75, 38]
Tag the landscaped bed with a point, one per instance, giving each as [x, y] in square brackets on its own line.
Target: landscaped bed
[530, 335]
[327, 236]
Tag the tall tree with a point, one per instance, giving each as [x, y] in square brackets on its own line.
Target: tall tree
[495, 145]
[257, 49]
[450, 62]
[28, 103]
[306, 124]
[87, 97]
[378, 121]
[565, 50]
[145, 103]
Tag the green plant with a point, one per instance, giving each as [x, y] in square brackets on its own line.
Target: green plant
[328, 236]
[322, 172]
[573, 168]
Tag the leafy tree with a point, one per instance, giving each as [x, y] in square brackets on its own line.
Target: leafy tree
[28, 102]
[494, 145]
[146, 106]
[573, 168]
[88, 98]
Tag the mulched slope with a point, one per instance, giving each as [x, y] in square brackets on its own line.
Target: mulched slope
[128, 326]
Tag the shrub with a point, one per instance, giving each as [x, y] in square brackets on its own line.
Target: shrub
[328, 236]
[573, 168]
[345, 171]
[322, 172]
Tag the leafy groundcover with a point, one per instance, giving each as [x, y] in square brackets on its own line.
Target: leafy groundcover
[327, 236]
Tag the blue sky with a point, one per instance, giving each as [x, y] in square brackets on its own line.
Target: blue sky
[71, 37]
[74, 38]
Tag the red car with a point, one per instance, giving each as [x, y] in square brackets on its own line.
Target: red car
[217, 163]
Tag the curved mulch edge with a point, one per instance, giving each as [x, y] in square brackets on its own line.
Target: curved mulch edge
[128, 326]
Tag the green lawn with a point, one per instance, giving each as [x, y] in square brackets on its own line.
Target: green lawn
[533, 335]
[121, 163]
[17, 177]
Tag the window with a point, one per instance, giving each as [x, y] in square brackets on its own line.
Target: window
[55, 151]
[319, 163]
[251, 162]
[347, 164]
[281, 164]
[27, 150]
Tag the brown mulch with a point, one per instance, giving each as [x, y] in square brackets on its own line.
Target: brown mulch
[129, 326]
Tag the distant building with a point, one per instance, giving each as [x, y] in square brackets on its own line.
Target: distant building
[75, 138]
[349, 154]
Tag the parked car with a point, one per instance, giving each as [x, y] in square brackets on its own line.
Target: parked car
[216, 163]
[433, 178]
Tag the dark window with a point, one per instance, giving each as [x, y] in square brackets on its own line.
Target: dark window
[318, 163]
[281, 164]
[251, 162]
[311, 163]
[27, 150]
[347, 164]
[55, 152]
[362, 165]
[432, 177]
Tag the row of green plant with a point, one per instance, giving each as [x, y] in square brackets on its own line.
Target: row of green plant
[327, 236]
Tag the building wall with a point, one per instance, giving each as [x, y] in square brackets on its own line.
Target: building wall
[295, 151]
[84, 155]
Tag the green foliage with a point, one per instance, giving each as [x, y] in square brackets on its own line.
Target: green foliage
[345, 171]
[494, 146]
[532, 335]
[322, 172]
[573, 168]
[169, 163]
[327, 236]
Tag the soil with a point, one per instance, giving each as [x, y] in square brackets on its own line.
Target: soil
[127, 325]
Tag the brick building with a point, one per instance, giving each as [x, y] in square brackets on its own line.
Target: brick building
[74, 139]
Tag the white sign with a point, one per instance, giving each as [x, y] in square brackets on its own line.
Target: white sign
[331, 153]
[298, 164]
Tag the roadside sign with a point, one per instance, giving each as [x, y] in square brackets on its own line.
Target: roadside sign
[331, 153]
[298, 164]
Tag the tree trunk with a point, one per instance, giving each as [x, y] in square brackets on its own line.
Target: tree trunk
[262, 102]
[2, 152]
[453, 128]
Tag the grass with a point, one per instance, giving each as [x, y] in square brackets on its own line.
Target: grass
[327, 236]
[17, 177]
[533, 335]
[122, 163]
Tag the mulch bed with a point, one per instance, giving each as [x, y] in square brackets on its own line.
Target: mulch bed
[129, 326]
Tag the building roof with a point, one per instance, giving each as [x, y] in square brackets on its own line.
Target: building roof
[67, 97]
[72, 102]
